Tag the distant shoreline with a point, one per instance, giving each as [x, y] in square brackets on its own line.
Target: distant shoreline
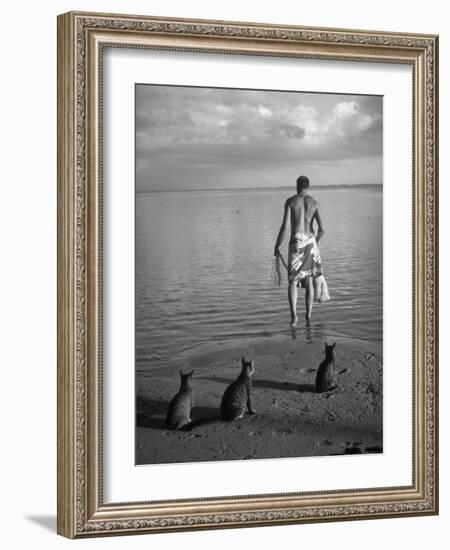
[284, 188]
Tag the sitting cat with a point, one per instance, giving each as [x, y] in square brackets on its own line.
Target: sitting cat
[179, 413]
[326, 373]
[237, 395]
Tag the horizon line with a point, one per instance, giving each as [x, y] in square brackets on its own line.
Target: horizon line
[281, 188]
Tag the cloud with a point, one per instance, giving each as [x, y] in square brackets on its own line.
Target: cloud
[283, 130]
[208, 134]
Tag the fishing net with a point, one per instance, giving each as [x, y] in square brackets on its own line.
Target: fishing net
[276, 268]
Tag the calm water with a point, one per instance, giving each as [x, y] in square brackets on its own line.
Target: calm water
[203, 271]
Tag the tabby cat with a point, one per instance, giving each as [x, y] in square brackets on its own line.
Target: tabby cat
[179, 413]
[237, 396]
[326, 373]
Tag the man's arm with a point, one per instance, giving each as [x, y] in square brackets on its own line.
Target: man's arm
[282, 232]
[320, 229]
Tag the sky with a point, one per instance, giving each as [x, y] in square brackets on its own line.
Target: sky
[211, 138]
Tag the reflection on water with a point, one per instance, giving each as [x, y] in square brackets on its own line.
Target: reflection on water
[204, 263]
[311, 331]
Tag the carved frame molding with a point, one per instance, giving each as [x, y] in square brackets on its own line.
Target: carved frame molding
[81, 38]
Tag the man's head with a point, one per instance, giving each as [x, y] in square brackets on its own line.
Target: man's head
[302, 183]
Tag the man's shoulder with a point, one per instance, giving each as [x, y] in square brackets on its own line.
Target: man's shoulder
[290, 200]
[312, 200]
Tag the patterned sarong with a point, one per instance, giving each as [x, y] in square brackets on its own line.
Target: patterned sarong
[304, 259]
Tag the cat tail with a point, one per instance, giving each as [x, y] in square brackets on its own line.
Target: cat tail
[323, 390]
[179, 425]
[187, 427]
[203, 421]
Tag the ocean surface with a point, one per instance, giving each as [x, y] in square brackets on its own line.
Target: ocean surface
[204, 271]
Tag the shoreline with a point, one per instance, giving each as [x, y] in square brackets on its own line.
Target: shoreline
[215, 351]
[325, 187]
[292, 420]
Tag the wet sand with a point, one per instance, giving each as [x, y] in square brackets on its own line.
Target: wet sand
[292, 420]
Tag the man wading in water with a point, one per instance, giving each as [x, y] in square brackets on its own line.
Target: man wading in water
[304, 264]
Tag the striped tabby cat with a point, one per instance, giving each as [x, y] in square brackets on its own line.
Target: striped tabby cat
[179, 413]
[237, 396]
[326, 373]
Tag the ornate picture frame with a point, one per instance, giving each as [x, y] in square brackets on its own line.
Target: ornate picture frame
[82, 37]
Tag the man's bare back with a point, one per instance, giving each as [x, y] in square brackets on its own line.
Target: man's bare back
[303, 210]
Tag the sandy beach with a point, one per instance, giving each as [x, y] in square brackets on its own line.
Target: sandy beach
[292, 420]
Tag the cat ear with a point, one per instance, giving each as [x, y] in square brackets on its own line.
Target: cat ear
[243, 360]
[334, 345]
[191, 373]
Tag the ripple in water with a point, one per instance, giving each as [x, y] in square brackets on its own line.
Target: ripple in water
[204, 262]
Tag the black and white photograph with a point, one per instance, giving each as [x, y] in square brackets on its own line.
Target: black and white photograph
[223, 232]
[258, 274]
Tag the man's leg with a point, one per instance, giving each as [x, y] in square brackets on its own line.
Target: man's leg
[309, 297]
[292, 294]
